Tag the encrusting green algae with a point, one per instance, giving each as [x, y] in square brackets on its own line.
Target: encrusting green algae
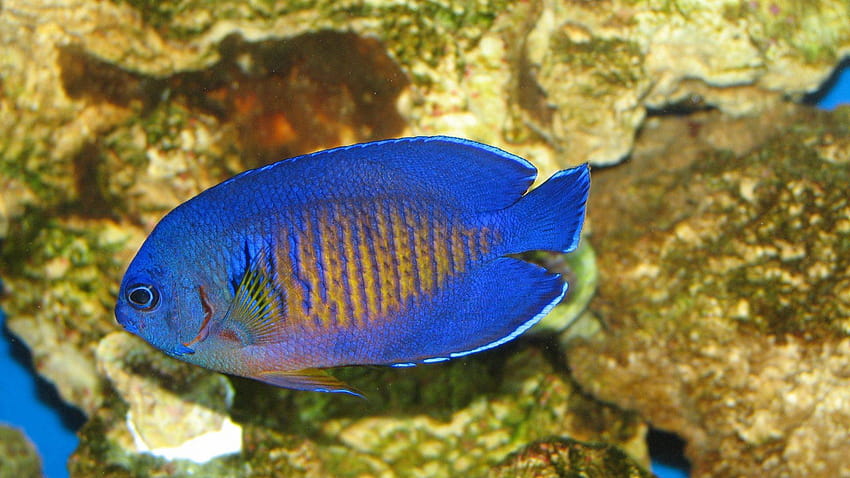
[723, 290]
[458, 418]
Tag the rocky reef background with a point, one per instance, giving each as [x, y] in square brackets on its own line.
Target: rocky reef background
[722, 243]
[725, 290]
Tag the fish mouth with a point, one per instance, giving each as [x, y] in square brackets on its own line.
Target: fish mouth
[128, 325]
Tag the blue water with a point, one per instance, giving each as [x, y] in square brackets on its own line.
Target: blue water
[836, 91]
[32, 404]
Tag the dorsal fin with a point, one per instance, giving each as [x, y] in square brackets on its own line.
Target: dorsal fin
[256, 309]
[473, 175]
[465, 174]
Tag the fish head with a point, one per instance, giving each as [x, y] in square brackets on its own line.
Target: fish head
[154, 303]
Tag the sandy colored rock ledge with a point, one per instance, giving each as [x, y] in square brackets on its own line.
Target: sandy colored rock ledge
[724, 290]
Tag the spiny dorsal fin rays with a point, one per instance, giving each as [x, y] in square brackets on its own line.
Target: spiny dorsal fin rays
[256, 306]
[313, 379]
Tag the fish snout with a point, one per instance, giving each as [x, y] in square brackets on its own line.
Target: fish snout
[128, 324]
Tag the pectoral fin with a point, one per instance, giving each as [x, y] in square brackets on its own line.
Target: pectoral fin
[312, 379]
[256, 309]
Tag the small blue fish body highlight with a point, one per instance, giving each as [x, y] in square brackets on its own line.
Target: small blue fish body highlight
[394, 252]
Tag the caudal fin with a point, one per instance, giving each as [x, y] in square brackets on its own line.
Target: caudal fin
[550, 217]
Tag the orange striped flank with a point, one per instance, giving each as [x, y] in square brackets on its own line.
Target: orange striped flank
[369, 268]
[347, 267]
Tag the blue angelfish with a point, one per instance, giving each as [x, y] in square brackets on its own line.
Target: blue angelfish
[387, 253]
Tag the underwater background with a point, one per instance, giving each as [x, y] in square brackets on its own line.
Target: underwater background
[611, 83]
[32, 404]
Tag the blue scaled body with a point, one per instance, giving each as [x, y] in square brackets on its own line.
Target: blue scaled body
[387, 253]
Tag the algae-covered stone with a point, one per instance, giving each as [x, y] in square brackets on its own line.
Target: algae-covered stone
[724, 293]
[444, 420]
[59, 280]
[565, 458]
[530, 401]
[175, 411]
[546, 76]
[579, 270]
[18, 457]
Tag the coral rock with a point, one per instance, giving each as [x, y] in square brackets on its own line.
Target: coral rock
[18, 457]
[184, 417]
[724, 291]
[569, 458]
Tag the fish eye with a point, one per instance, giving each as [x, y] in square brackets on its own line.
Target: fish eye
[143, 297]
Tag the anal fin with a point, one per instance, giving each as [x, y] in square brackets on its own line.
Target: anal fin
[486, 307]
[310, 379]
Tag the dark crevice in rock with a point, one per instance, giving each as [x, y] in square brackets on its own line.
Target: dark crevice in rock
[294, 96]
[686, 106]
[92, 201]
[87, 77]
[282, 97]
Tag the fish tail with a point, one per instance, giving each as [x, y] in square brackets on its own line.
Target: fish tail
[550, 216]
